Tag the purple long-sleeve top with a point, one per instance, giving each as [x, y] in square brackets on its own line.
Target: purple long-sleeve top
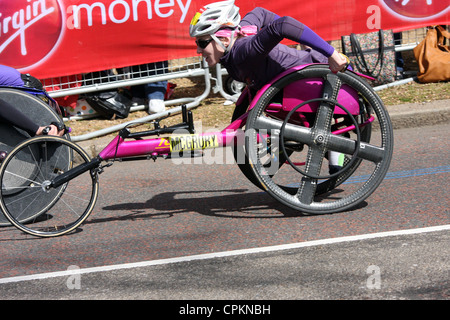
[10, 77]
[257, 59]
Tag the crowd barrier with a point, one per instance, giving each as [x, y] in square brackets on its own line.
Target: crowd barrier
[192, 67]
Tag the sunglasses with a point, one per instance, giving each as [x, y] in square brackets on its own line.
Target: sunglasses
[203, 43]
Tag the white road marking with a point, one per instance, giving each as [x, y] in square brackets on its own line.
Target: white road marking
[225, 254]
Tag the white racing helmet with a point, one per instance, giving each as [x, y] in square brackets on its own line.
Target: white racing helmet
[213, 17]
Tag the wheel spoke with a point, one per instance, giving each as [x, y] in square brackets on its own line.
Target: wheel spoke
[320, 130]
[336, 143]
[291, 132]
[366, 151]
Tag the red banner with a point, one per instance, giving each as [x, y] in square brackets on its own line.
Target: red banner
[50, 38]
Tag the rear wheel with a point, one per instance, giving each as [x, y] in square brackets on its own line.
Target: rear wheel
[368, 154]
[32, 106]
[266, 144]
[29, 201]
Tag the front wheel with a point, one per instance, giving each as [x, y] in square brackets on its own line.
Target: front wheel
[29, 201]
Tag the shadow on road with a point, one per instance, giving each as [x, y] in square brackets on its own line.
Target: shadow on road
[235, 203]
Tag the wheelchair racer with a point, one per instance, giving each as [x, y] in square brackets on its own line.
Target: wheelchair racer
[251, 51]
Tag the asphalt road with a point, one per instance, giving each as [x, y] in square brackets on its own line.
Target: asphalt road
[167, 231]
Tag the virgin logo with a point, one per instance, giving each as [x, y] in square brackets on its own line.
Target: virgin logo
[29, 31]
[417, 9]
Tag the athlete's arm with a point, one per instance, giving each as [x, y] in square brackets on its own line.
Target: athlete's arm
[273, 29]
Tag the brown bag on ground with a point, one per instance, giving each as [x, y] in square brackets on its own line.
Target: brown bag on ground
[433, 56]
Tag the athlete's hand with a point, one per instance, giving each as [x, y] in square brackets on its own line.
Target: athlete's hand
[338, 62]
[50, 130]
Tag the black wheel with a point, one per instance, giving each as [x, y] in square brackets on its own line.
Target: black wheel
[33, 107]
[368, 154]
[27, 199]
[233, 87]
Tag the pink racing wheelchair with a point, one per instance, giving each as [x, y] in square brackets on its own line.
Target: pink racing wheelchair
[281, 140]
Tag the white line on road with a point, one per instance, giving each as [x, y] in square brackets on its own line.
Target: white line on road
[225, 254]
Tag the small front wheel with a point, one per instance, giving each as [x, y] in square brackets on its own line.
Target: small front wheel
[27, 197]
